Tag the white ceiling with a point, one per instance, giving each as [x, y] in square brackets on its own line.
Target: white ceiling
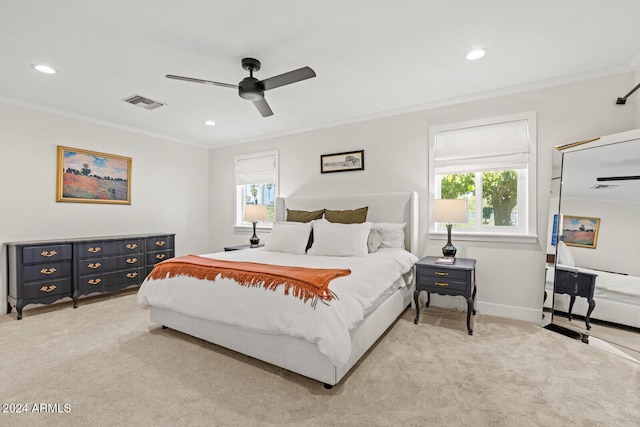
[372, 58]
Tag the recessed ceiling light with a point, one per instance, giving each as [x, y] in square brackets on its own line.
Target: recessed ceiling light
[476, 54]
[44, 68]
[210, 123]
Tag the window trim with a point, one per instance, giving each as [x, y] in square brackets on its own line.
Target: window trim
[238, 214]
[530, 235]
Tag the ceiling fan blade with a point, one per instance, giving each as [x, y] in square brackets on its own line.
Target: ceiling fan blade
[263, 107]
[618, 178]
[206, 82]
[288, 78]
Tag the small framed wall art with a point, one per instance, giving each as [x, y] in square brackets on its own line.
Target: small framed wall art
[90, 177]
[342, 162]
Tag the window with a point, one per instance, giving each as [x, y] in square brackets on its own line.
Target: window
[256, 180]
[491, 164]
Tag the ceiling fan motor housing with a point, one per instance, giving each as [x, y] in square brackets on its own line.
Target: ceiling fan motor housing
[251, 89]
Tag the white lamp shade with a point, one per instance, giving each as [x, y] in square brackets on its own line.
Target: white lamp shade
[255, 213]
[450, 211]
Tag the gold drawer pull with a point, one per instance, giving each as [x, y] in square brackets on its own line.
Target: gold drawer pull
[48, 288]
[96, 265]
[132, 260]
[48, 271]
[441, 284]
[160, 256]
[94, 281]
[94, 250]
[49, 253]
[160, 243]
[132, 246]
[441, 273]
[132, 275]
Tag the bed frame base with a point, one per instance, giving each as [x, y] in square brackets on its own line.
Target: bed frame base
[293, 354]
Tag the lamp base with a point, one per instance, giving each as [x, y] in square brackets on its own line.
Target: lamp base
[448, 250]
[254, 240]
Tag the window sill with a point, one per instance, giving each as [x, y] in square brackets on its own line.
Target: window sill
[485, 237]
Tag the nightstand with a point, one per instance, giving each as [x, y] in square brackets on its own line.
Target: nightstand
[240, 247]
[454, 279]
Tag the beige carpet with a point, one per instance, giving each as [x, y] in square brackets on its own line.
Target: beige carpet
[112, 366]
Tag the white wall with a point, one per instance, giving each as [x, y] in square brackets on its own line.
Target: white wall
[169, 185]
[510, 276]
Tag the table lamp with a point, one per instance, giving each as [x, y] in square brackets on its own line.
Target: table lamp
[253, 214]
[450, 211]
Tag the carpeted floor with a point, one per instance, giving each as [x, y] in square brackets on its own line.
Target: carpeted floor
[105, 363]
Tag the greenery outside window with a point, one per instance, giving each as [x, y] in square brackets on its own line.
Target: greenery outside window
[491, 164]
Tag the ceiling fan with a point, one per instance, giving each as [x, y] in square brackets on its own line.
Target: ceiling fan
[253, 89]
[618, 178]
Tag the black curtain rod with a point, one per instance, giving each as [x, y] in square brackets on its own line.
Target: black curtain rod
[623, 100]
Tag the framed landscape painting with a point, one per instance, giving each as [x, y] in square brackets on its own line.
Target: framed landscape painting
[581, 231]
[91, 177]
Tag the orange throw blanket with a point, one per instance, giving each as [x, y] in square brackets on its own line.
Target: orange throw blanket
[306, 283]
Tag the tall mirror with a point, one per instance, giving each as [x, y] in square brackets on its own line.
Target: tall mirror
[596, 270]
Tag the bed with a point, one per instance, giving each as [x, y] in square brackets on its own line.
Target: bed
[320, 338]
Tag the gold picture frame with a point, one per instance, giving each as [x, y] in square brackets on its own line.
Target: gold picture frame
[580, 231]
[85, 176]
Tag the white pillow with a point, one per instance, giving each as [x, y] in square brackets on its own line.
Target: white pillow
[374, 240]
[289, 237]
[564, 255]
[335, 239]
[392, 234]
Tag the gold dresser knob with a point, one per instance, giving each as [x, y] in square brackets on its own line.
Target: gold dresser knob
[95, 250]
[94, 281]
[48, 253]
[96, 265]
[132, 260]
[132, 246]
[160, 256]
[48, 288]
[48, 270]
[160, 243]
[132, 275]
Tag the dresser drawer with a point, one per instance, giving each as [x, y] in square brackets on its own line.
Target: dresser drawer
[105, 264]
[451, 274]
[46, 253]
[98, 248]
[432, 284]
[44, 271]
[133, 246]
[46, 288]
[159, 243]
[155, 257]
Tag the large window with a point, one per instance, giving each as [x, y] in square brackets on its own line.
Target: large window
[256, 180]
[491, 164]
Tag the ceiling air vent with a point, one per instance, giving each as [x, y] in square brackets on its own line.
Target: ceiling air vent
[142, 102]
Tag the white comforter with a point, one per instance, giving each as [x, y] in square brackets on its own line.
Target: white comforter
[272, 312]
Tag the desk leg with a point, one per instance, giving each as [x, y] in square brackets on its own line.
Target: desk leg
[572, 300]
[592, 305]
[416, 294]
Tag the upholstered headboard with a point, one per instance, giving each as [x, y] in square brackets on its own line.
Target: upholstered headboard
[383, 207]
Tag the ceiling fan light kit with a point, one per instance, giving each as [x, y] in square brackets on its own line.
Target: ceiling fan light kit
[253, 89]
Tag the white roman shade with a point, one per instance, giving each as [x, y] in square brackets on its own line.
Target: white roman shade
[256, 170]
[484, 147]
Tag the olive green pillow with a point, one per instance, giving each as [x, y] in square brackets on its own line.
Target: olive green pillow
[355, 216]
[303, 216]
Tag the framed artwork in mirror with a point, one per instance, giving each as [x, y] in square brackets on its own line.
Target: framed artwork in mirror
[85, 176]
[580, 231]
